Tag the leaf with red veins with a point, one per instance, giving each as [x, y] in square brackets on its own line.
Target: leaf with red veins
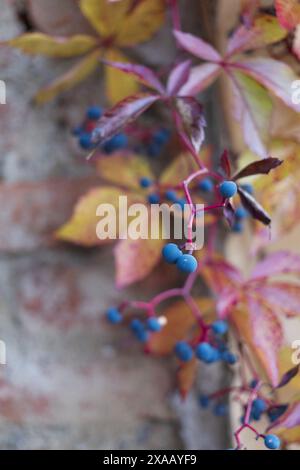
[144, 74]
[261, 167]
[253, 108]
[192, 119]
[283, 297]
[281, 262]
[225, 164]
[261, 330]
[219, 275]
[200, 78]
[197, 47]
[120, 115]
[288, 376]
[225, 301]
[178, 77]
[288, 13]
[276, 76]
[253, 207]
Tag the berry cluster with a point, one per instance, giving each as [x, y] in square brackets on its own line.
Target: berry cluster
[156, 142]
[186, 263]
[85, 130]
[219, 408]
[208, 352]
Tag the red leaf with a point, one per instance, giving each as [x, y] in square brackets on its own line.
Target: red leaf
[277, 263]
[225, 301]
[201, 77]
[142, 73]
[186, 376]
[276, 76]
[178, 77]
[266, 337]
[197, 46]
[253, 207]
[283, 297]
[192, 119]
[121, 114]
[261, 167]
[225, 163]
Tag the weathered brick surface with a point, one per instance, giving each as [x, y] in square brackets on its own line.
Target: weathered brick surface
[71, 381]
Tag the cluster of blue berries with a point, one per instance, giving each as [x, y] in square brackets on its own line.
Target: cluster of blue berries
[85, 130]
[140, 329]
[205, 351]
[173, 255]
[157, 142]
[219, 408]
[154, 197]
[240, 216]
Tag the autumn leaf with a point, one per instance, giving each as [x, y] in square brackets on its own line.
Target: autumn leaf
[288, 12]
[192, 120]
[136, 258]
[288, 425]
[261, 330]
[38, 43]
[116, 25]
[180, 324]
[124, 170]
[81, 228]
[182, 166]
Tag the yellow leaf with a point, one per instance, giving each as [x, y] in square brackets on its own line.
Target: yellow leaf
[270, 31]
[74, 76]
[38, 43]
[106, 17]
[141, 22]
[81, 228]
[124, 170]
[118, 84]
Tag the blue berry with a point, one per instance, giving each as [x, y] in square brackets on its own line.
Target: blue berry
[153, 324]
[220, 327]
[229, 357]
[205, 352]
[240, 213]
[228, 189]
[114, 316]
[259, 405]
[142, 335]
[171, 196]
[272, 441]
[237, 227]
[184, 351]
[145, 182]
[136, 325]
[206, 185]
[248, 188]
[220, 409]
[187, 264]
[94, 113]
[204, 401]
[253, 383]
[117, 142]
[171, 253]
[161, 137]
[85, 141]
[153, 198]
